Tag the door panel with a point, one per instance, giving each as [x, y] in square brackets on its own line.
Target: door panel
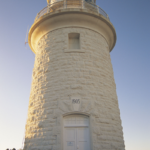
[82, 139]
[70, 143]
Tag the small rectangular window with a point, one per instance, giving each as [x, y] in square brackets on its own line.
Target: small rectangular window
[74, 40]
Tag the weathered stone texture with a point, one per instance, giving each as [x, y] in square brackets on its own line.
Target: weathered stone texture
[60, 73]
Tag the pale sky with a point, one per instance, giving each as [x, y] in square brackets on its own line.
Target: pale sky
[130, 60]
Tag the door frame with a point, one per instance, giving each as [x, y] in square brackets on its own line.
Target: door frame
[90, 127]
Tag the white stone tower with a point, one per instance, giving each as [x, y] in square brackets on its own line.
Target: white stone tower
[73, 103]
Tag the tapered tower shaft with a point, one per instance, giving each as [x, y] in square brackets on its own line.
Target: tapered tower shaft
[73, 103]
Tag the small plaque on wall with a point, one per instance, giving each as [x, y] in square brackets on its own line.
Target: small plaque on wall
[70, 143]
[76, 102]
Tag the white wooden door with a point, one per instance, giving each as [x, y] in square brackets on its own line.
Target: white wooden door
[70, 139]
[82, 139]
[76, 133]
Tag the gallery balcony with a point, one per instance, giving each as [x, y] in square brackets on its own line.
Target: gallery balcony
[71, 4]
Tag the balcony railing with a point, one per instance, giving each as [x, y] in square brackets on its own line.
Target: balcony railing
[64, 4]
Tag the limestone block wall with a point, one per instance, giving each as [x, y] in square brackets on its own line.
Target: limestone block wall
[61, 73]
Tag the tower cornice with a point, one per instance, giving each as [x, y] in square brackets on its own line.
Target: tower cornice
[72, 17]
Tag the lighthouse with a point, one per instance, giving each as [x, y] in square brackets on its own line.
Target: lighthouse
[73, 102]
